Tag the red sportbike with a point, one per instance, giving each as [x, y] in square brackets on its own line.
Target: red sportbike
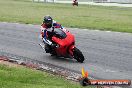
[65, 44]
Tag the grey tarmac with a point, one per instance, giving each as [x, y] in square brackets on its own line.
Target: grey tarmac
[108, 55]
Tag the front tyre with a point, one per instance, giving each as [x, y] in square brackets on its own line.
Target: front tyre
[77, 54]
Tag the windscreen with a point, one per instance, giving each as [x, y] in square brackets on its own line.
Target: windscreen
[59, 33]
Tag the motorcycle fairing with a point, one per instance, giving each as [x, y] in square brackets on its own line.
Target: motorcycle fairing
[64, 44]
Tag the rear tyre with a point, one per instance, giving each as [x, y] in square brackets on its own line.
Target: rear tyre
[78, 55]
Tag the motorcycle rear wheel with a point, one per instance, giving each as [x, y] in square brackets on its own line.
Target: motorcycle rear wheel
[77, 54]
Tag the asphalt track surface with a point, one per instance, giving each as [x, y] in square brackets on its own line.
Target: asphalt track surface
[120, 4]
[108, 55]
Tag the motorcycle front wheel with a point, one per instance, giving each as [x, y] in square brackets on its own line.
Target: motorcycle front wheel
[77, 54]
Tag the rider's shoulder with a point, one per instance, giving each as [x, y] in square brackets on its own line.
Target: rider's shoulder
[55, 22]
[43, 26]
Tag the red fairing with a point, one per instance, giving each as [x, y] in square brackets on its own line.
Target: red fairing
[71, 49]
[65, 45]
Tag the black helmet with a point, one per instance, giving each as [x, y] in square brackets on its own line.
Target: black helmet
[48, 21]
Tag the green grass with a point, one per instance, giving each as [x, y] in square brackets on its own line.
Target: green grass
[84, 16]
[13, 77]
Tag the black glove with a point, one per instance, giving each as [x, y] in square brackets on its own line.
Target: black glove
[53, 45]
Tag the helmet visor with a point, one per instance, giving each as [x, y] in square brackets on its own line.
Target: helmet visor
[47, 21]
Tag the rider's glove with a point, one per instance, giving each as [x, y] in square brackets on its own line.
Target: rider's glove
[53, 45]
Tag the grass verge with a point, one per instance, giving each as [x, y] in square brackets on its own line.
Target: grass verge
[21, 77]
[84, 16]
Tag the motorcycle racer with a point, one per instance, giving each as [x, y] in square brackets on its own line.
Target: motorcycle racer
[75, 2]
[47, 24]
